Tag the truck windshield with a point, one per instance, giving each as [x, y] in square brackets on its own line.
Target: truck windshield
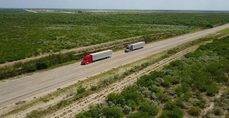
[128, 47]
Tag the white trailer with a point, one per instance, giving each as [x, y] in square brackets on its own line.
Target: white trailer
[102, 55]
[135, 46]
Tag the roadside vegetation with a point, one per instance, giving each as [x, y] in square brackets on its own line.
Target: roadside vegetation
[26, 34]
[180, 89]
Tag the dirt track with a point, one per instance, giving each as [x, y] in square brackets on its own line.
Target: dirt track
[36, 84]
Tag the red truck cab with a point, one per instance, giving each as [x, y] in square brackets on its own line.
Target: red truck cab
[90, 58]
[87, 59]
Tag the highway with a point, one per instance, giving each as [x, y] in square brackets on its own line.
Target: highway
[43, 82]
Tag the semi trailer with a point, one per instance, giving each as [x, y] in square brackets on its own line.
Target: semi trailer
[90, 58]
[135, 46]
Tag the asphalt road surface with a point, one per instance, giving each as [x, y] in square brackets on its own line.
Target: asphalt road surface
[43, 82]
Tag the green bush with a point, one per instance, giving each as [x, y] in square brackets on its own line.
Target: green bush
[127, 109]
[218, 111]
[113, 97]
[148, 107]
[139, 115]
[209, 26]
[167, 82]
[200, 102]
[181, 90]
[81, 90]
[173, 113]
[94, 88]
[194, 111]
[94, 112]
[41, 65]
[34, 114]
[112, 112]
[180, 103]
[212, 89]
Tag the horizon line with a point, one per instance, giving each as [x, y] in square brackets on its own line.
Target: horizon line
[121, 9]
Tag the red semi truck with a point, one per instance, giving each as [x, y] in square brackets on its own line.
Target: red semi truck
[90, 58]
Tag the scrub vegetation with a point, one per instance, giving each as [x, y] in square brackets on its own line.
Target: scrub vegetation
[180, 89]
[24, 35]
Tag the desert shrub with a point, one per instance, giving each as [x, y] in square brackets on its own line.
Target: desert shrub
[181, 89]
[113, 97]
[34, 114]
[94, 112]
[147, 38]
[202, 82]
[106, 82]
[171, 110]
[130, 97]
[81, 90]
[194, 111]
[112, 112]
[149, 80]
[148, 107]
[167, 82]
[174, 113]
[212, 89]
[179, 102]
[139, 115]
[200, 102]
[178, 64]
[41, 65]
[209, 26]
[94, 88]
[217, 111]
[127, 109]
[81, 115]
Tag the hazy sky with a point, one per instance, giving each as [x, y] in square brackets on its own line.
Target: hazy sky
[120, 4]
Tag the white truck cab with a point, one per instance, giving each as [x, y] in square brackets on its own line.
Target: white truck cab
[135, 46]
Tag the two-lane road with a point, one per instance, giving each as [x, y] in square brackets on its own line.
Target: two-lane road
[14, 90]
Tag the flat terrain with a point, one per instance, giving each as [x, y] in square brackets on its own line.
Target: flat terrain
[15, 90]
[196, 86]
[100, 97]
[25, 34]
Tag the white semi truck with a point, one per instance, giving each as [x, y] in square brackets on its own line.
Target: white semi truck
[135, 46]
